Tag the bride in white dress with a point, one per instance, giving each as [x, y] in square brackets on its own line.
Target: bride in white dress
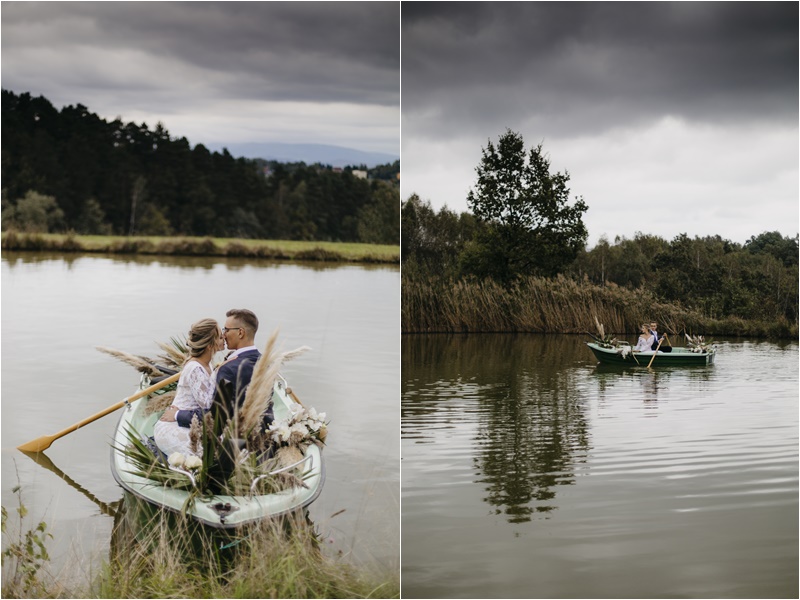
[645, 342]
[195, 387]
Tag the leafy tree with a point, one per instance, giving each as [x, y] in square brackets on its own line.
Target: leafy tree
[35, 213]
[153, 221]
[92, 220]
[387, 172]
[379, 220]
[531, 227]
[431, 242]
[785, 249]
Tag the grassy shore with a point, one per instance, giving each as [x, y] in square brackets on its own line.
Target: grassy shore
[159, 559]
[194, 246]
[558, 305]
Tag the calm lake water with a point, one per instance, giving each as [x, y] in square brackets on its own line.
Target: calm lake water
[56, 311]
[530, 472]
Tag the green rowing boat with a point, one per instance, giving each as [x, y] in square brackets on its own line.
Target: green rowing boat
[217, 511]
[679, 356]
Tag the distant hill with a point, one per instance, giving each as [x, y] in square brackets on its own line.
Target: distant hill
[336, 156]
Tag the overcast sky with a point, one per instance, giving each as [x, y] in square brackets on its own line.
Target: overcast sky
[295, 72]
[669, 117]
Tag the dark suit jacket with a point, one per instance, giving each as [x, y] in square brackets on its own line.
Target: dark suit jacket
[233, 377]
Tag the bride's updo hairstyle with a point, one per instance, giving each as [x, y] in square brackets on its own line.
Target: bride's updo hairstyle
[202, 334]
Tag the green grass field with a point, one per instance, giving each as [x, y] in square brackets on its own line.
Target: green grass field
[196, 246]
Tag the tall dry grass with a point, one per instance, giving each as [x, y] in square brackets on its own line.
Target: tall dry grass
[280, 558]
[157, 554]
[559, 305]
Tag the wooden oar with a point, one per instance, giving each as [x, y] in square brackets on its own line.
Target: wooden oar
[44, 442]
[293, 397]
[654, 353]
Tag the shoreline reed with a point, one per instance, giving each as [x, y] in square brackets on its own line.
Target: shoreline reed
[559, 305]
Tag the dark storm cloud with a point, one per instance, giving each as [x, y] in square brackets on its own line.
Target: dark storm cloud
[568, 68]
[671, 117]
[281, 51]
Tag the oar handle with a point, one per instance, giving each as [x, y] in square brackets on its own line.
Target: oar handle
[654, 353]
[44, 442]
[140, 394]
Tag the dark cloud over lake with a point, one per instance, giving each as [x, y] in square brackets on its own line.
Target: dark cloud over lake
[598, 64]
[220, 59]
[661, 101]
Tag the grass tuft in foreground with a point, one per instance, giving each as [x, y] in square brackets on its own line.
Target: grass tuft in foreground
[24, 557]
[155, 554]
[276, 559]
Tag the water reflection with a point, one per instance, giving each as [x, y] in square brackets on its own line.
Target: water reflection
[649, 385]
[205, 263]
[600, 482]
[107, 508]
[524, 401]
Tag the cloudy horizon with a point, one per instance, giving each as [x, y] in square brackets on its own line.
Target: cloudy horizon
[217, 72]
[669, 117]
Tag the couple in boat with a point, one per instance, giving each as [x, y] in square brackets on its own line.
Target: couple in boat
[201, 389]
[650, 340]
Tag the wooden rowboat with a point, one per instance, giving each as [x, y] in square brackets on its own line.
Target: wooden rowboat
[679, 356]
[217, 511]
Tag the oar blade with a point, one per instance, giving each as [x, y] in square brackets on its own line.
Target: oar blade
[37, 445]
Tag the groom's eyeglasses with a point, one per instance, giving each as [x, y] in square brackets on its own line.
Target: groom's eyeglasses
[227, 329]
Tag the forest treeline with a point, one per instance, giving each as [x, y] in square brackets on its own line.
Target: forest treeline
[706, 285]
[72, 171]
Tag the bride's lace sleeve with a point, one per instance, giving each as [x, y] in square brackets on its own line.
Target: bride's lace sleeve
[201, 385]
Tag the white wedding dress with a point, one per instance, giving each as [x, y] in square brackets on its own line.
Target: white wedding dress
[195, 390]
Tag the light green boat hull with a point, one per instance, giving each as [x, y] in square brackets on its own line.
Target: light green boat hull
[222, 511]
[678, 357]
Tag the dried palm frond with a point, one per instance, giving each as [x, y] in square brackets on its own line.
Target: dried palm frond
[140, 363]
[175, 354]
[259, 392]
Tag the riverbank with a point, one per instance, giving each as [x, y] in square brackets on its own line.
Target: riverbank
[195, 246]
[560, 305]
[165, 559]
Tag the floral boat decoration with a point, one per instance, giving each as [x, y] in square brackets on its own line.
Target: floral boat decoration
[240, 473]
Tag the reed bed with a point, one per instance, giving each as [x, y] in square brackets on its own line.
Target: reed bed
[187, 246]
[558, 305]
[162, 555]
[278, 559]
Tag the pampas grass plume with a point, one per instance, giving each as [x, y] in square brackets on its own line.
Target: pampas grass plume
[259, 392]
[140, 363]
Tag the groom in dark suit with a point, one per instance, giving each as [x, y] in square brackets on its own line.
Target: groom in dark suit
[234, 375]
